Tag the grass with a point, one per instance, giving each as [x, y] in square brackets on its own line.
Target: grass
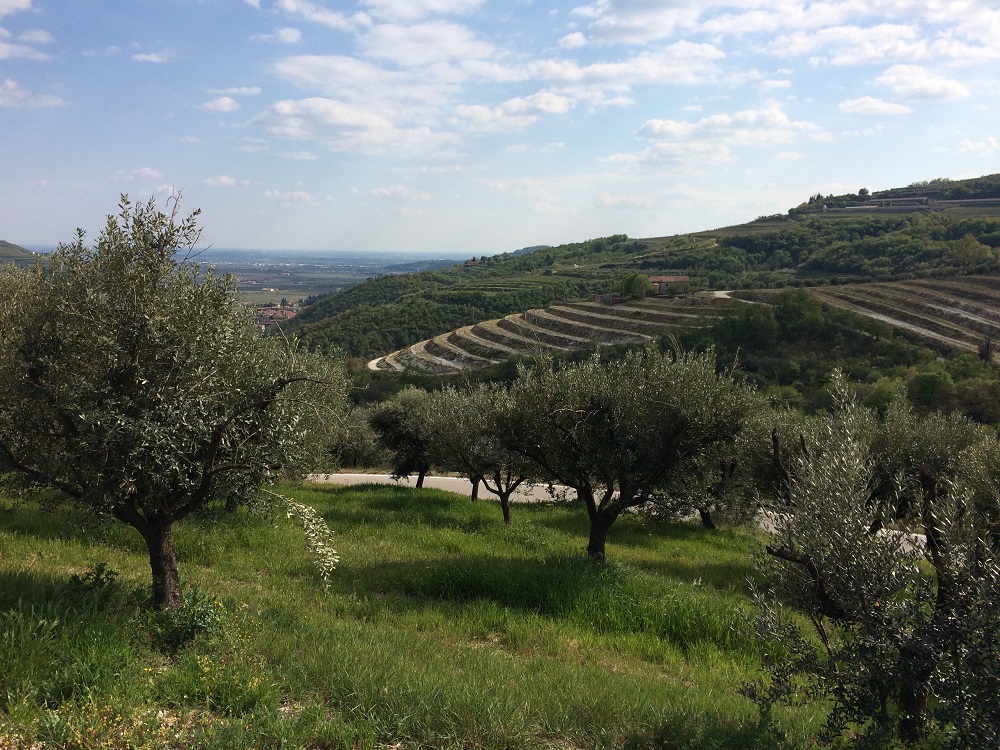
[442, 628]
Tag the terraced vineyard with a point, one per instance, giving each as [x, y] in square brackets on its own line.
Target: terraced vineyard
[959, 312]
[563, 327]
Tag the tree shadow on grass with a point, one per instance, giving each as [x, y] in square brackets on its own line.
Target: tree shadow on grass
[601, 597]
[709, 732]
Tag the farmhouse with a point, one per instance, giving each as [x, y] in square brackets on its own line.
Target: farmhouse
[662, 283]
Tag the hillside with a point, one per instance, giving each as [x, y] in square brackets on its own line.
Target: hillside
[558, 328]
[9, 252]
[821, 241]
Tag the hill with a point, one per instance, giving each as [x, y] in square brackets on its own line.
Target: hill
[559, 328]
[816, 243]
[11, 253]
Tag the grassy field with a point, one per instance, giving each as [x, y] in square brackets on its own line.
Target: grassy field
[441, 628]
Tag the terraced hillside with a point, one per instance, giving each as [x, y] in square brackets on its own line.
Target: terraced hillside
[560, 327]
[960, 312]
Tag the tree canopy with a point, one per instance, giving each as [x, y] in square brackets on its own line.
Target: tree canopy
[136, 385]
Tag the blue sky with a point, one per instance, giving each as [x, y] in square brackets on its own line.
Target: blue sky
[477, 126]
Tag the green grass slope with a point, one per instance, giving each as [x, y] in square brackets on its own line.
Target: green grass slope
[441, 628]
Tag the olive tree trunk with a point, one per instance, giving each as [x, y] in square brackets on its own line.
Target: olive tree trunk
[163, 563]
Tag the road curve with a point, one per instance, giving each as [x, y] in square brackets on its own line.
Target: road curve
[524, 494]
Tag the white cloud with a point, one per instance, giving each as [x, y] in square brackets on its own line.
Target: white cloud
[868, 105]
[749, 126]
[13, 6]
[986, 147]
[220, 181]
[572, 41]
[916, 82]
[409, 95]
[109, 51]
[400, 193]
[295, 196]
[298, 155]
[142, 173]
[636, 22]
[513, 114]
[680, 63]
[854, 45]
[344, 126]
[237, 91]
[413, 10]
[286, 35]
[607, 200]
[222, 104]
[11, 51]
[711, 140]
[316, 13]
[423, 44]
[35, 36]
[253, 3]
[151, 57]
[12, 96]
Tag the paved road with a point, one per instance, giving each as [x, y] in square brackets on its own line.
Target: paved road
[523, 494]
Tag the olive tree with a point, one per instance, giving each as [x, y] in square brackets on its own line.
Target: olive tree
[618, 432]
[466, 428]
[136, 385]
[403, 427]
[885, 538]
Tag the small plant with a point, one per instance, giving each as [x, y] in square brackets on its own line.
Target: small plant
[96, 589]
[172, 629]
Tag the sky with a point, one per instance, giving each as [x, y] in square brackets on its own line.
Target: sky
[475, 126]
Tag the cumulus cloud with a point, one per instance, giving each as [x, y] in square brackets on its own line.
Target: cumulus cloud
[286, 35]
[13, 6]
[749, 126]
[986, 147]
[220, 181]
[572, 41]
[237, 91]
[402, 95]
[295, 196]
[680, 63]
[142, 173]
[315, 13]
[12, 96]
[344, 126]
[633, 22]
[151, 57]
[35, 36]
[413, 10]
[868, 105]
[513, 114]
[298, 155]
[916, 82]
[711, 139]
[423, 44]
[14, 51]
[607, 200]
[400, 193]
[222, 104]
